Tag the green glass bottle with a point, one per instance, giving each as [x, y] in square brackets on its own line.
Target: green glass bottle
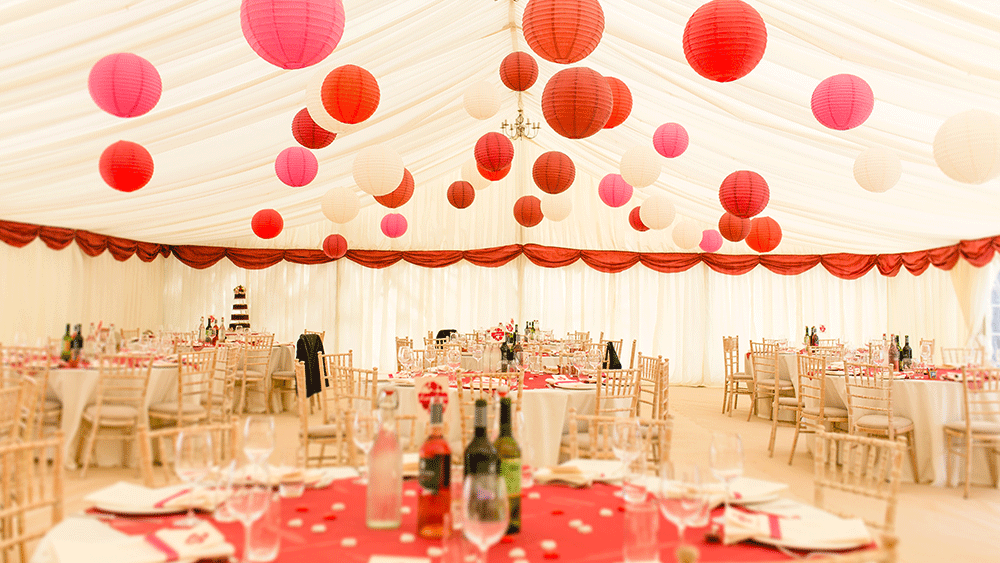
[510, 465]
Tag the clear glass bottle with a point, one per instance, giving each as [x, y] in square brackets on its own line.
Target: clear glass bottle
[384, 494]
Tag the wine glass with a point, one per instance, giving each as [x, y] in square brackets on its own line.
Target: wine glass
[683, 498]
[579, 360]
[405, 356]
[366, 426]
[626, 443]
[454, 358]
[477, 354]
[727, 461]
[193, 463]
[926, 353]
[258, 438]
[250, 495]
[484, 511]
[430, 354]
[594, 358]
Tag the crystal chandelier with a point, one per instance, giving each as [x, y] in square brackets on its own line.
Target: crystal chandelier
[520, 128]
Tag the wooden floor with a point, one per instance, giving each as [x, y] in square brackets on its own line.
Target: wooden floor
[934, 524]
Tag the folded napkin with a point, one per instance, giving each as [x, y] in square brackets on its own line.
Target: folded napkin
[131, 498]
[568, 475]
[170, 544]
[744, 490]
[583, 472]
[823, 532]
[314, 478]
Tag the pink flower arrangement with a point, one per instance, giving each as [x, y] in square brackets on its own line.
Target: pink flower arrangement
[502, 331]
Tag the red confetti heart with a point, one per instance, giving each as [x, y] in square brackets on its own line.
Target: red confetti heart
[330, 517]
[301, 509]
[551, 555]
[621, 508]
[557, 512]
[506, 539]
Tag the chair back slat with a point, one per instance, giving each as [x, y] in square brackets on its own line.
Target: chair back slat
[970, 357]
[654, 385]
[869, 391]
[980, 394]
[224, 438]
[31, 478]
[812, 387]
[617, 392]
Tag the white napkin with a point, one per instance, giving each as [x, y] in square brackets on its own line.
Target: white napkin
[583, 472]
[745, 490]
[170, 544]
[130, 497]
[827, 532]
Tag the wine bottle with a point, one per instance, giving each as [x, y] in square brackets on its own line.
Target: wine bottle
[899, 354]
[384, 493]
[814, 339]
[893, 354]
[435, 479]
[510, 466]
[76, 346]
[504, 351]
[201, 329]
[480, 455]
[807, 340]
[67, 344]
[907, 354]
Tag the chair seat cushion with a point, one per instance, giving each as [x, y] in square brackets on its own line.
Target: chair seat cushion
[112, 414]
[782, 383]
[828, 412]
[978, 426]
[52, 405]
[326, 431]
[253, 374]
[882, 421]
[284, 374]
[170, 407]
[788, 401]
[742, 376]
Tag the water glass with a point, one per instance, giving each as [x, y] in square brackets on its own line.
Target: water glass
[258, 438]
[727, 460]
[251, 495]
[683, 498]
[292, 473]
[366, 426]
[641, 539]
[264, 542]
[193, 463]
[484, 511]
[634, 481]
[454, 358]
[477, 354]
[406, 360]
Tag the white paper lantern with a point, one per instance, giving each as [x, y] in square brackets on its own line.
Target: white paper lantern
[967, 147]
[470, 173]
[641, 166]
[687, 234]
[314, 104]
[877, 169]
[340, 205]
[378, 169]
[482, 100]
[657, 212]
[556, 207]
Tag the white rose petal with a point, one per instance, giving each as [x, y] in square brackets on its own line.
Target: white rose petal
[549, 545]
[409, 493]
[434, 552]
[318, 528]
[405, 509]
[295, 523]
[348, 542]
[575, 523]
[607, 512]
[585, 529]
[534, 494]
[407, 538]
[339, 506]
[516, 553]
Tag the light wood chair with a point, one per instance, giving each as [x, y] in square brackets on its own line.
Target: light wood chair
[616, 344]
[812, 413]
[737, 382]
[580, 338]
[970, 357]
[832, 352]
[654, 386]
[765, 345]
[631, 357]
[31, 482]
[350, 388]
[978, 427]
[224, 439]
[34, 362]
[195, 379]
[489, 386]
[597, 441]
[18, 410]
[257, 350]
[119, 406]
[129, 334]
[332, 434]
[327, 364]
[617, 392]
[768, 383]
[877, 352]
[869, 407]
[222, 394]
[833, 342]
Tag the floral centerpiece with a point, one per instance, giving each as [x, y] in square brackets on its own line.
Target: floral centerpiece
[503, 331]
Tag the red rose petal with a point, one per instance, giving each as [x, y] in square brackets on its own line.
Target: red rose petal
[557, 512]
[551, 555]
[330, 517]
[506, 539]
[302, 508]
[621, 508]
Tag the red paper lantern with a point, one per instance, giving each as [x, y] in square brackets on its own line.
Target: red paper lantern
[842, 102]
[494, 151]
[335, 247]
[636, 221]
[553, 172]
[267, 223]
[292, 33]
[577, 102]
[528, 211]
[350, 94]
[308, 134]
[400, 195]
[711, 240]
[491, 175]
[296, 166]
[461, 194]
[614, 190]
[765, 234]
[622, 105]
[124, 84]
[733, 228]
[518, 71]
[563, 31]
[670, 140]
[724, 40]
[744, 193]
[126, 166]
[393, 225]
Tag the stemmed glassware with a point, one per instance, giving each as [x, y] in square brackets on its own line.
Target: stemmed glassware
[366, 425]
[430, 354]
[193, 463]
[926, 353]
[579, 359]
[683, 498]
[454, 358]
[477, 354]
[405, 357]
[594, 358]
[484, 511]
[626, 443]
[258, 438]
[250, 495]
[727, 461]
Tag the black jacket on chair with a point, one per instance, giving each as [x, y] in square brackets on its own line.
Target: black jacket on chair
[305, 351]
[611, 360]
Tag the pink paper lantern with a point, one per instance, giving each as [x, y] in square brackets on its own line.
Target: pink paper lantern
[614, 190]
[296, 166]
[842, 102]
[335, 247]
[267, 223]
[711, 240]
[670, 140]
[124, 85]
[393, 225]
[292, 33]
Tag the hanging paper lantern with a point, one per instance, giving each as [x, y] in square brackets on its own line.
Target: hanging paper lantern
[126, 166]
[556, 208]
[553, 172]
[622, 102]
[314, 103]
[744, 193]
[308, 134]
[470, 173]
[378, 169]
[657, 212]
[481, 100]
[877, 169]
[518, 71]
[267, 223]
[577, 102]
[296, 166]
[563, 31]
[350, 94]
[340, 205]
[528, 211]
[400, 195]
[733, 228]
[614, 190]
[124, 85]
[292, 33]
[494, 151]
[711, 240]
[461, 194]
[635, 221]
[335, 247]
[641, 166]
[393, 225]
[724, 40]
[765, 234]
[842, 102]
[670, 140]
[686, 234]
[967, 147]
[492, 175]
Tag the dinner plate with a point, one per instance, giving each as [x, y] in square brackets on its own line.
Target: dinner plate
[138, 510]
[794, 543]
[402, 382]
[575, 385]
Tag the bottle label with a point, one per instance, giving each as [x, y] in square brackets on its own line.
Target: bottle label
[435, 473]
[510, 469]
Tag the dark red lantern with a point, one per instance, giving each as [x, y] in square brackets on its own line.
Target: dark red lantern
[400, 195]
[461, 194]
[267, 223]
[308, 134]
[577, 102]
[636, 221]
[733, 228]
[622, 106]
[335, 247]
[724, 40]
[518, 71]
[494, 151]
[744, 193]
[528, 211]
[563, 31]
[492, 175]
[765, 234]
[350, 94]
[126, 166]
[553, 172]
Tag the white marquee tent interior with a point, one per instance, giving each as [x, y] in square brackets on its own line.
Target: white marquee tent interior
[225, 114]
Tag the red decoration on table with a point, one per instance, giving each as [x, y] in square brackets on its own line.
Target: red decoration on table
[518, 71]
[724, 40]
[296, 166]
[553, 172]
[557, 512]
[401, 194]
[292, 33]
[430, 392]
[765, 234]
[393, 225]
[550, 555]
[670, 140]
[493, 175]
[124, 85]
[308, 134]
[506, 539]
[528, 211]
[331, 517]
[577, 102]
[494, 151]
[267, 223]
[126, 166]
[744, 193]
[350, 94]
[335, 247]
[563, 31]
[842, 102]
[614, 190]
[636, 221]
[622, 102]
[711, 240]
[301, 508]
[733, 228]
[461, 194]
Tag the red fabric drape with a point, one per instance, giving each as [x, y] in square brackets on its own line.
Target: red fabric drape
[977, 252]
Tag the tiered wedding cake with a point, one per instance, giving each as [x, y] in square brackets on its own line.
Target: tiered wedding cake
[241, 317]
